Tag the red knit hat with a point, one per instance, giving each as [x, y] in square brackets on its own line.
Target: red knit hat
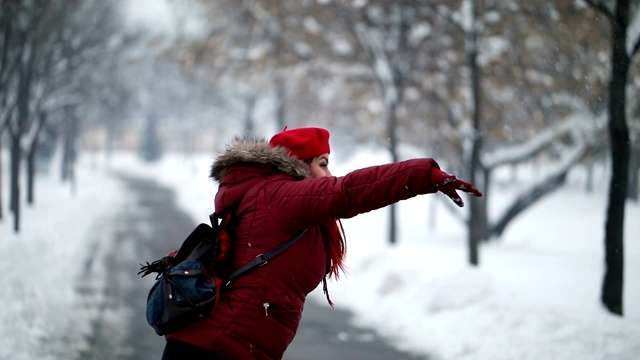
[305, 143]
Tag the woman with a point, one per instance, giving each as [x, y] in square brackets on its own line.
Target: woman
[277, 189]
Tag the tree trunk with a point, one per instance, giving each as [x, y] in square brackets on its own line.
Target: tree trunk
[15, 182]
[31, 159]
[280, 105]
[1, 175]
[69, 150]
[25, 69]
[64, 164]
[31, 169]
[483, 210]
[393, 149]
[249, 129]
[477, 217]
[612, 286]
[589, 182]
[22, 117]
[634, 175]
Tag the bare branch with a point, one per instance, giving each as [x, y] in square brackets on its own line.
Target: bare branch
[446, 14]
[636, 47]
[601, 7]
[5, 113]
[525, 200]
[533, 146]
[537, 192]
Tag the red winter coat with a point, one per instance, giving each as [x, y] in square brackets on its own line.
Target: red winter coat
[257, 316]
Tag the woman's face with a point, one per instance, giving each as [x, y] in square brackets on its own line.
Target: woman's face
[320, 166]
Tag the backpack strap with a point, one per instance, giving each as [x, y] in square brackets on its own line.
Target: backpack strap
[215, 219]
[203, 250]
[262, 259]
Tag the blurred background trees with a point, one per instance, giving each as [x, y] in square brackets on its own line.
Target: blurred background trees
[478, 85]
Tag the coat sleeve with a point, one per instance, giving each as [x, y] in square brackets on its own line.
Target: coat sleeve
[311, 202]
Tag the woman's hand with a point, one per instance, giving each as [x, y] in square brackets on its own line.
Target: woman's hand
[448, 184]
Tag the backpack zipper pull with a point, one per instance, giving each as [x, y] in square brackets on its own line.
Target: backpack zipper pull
[266, 307]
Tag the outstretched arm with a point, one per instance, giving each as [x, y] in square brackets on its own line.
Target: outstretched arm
[317, 201]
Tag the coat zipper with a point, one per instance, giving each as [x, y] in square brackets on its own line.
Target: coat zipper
[266, 308]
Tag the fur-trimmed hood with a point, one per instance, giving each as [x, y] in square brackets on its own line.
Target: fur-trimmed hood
[260, 153]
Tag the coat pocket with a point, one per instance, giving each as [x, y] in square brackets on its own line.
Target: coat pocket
[288, 315]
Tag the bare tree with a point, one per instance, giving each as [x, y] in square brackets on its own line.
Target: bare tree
[383, 31]
[570, 126]
[470, 24]
[45, 46]
[29, 20]
[622, 50]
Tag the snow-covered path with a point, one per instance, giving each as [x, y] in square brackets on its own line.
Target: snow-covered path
[146, 227]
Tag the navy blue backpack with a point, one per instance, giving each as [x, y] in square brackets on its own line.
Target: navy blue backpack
[184, 292]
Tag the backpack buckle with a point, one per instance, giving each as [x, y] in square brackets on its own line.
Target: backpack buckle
[263, 260]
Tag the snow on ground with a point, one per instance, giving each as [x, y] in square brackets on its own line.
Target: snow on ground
[535, 295]
[43, 315]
